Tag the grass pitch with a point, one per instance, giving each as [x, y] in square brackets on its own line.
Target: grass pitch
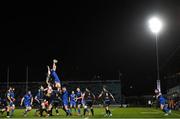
[99, 113]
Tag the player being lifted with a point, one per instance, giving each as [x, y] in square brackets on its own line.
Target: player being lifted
[89, 98]
[52, 73]
[106, 96]
[72, 100]
[27, 100]
[162, 102]
[79, 100]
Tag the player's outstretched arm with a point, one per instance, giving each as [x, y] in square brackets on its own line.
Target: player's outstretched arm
[100, 95]
[94, 97]
[31, 100]
[22, 100]
[35, 98]
[112, 97]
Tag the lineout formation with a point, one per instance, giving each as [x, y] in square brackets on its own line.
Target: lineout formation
[55, 95]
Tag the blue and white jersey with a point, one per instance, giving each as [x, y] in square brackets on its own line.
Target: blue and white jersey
[27, 100]
[72, 98]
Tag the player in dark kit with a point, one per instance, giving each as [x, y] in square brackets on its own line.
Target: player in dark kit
[88, 97]
[3, 105]
[7, 102]
[56, 100]
[48, 96]
[39, 98]
[106, 96]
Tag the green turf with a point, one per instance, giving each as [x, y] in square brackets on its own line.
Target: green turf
[117, 113]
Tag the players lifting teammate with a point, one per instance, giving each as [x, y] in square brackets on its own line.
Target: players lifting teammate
[51, 97]
[89, 98]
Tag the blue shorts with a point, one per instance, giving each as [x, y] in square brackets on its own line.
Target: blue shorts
[79, 102]
[73, 103]
[27, 104]
[65, 103]
[11, 104]
[162, 103]
[55, 76]
[107, 102]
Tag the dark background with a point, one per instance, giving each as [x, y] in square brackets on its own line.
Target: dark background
[88, 38]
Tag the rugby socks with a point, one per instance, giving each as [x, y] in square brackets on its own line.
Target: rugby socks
[166, 110]
[57, 111]
[109, 112]
[51, 112]
[79, 111]
[8, 113]
[92, 112]
[85, 111]
[106, 111]
[12, 112]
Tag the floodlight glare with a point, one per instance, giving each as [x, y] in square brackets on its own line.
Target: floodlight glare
[155, 25]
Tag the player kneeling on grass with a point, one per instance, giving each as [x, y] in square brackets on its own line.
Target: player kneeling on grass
[106, 96]
[65, 101]
[162, 102]
[27, 100]
[88, 97]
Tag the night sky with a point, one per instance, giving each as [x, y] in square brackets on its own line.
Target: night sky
[88, 38]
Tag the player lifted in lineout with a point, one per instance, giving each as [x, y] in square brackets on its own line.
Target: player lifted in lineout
[52, 74]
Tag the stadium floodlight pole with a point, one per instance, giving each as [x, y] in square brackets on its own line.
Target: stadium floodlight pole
[156, 25]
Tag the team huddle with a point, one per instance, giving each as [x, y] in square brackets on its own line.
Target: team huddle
[55, 95]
